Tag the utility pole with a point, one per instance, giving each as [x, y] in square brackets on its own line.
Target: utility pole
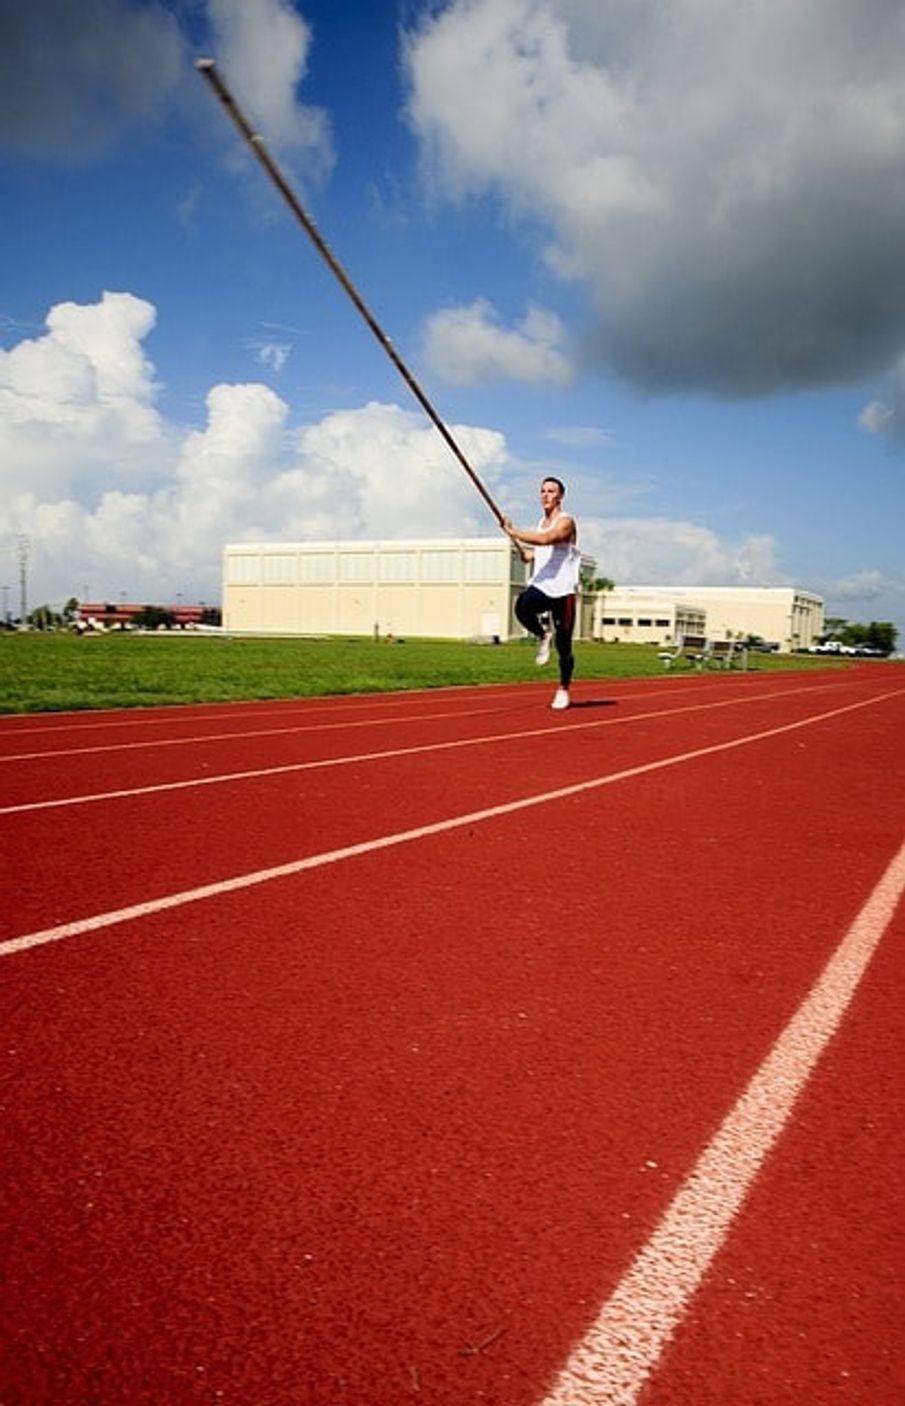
[23, 581]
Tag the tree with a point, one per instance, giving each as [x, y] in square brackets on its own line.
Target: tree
[882, 635]
[151, 617]
[43, 618]
[879, 634]
[594, 584]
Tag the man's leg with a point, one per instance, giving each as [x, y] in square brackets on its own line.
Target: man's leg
[530, 605]
[563, 611]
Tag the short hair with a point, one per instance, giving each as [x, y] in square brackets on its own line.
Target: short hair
[551, 478]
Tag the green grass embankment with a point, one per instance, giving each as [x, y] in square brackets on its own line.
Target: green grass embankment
[55, 672]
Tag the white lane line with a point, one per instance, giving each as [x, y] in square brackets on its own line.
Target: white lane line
[357, 757]
[15, 725]
[237, 736]
[614, 1360]
[241, 733]
[316, 861]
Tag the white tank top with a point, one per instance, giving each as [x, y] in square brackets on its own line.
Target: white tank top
[556, 567]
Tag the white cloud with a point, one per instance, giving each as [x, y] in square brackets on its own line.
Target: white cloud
[887, 416]
[725, 180]
[77, 403]
[272, 354]
[391, 474]
[876, 417]
[113, 497]
[663, 551]
[263, 47]
[867, 586]
[467, 346]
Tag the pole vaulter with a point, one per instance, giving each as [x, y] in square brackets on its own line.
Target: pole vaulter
[208, 69]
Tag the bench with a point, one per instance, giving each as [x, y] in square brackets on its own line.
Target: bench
[702, 653]
[725, 654]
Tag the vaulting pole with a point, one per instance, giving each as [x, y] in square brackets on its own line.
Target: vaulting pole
[208, 69]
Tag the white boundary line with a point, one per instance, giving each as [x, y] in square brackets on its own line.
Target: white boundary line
[490, 706]
[316, 861]
[349, 759]
[237, 736]
[615, 1358]
[159, 714]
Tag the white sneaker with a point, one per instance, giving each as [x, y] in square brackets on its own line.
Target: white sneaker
[561, 699]
[542, 656]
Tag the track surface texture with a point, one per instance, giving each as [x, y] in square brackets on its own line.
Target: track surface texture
[439, 1048]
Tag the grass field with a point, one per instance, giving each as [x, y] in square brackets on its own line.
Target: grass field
[46, 672]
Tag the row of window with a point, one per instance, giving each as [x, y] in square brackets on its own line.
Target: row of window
[287, 569]
[642, 620]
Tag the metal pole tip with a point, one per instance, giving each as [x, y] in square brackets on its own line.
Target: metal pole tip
[204, 63]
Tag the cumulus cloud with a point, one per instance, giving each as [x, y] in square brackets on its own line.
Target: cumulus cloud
[663, 551]
[77, 403]
[396, 475]
[867, 586]
[469, 346]
[263, 46]
[115, 499]
[73, 77]
[726, 182]
[112, 497]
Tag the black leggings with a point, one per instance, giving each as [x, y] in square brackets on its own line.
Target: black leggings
[531, 605]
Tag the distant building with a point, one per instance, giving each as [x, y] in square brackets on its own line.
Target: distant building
[783, 615]
[122, 614]
[439, 588]
[621, 616]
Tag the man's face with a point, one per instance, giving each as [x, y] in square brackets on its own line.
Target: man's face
[550, 496]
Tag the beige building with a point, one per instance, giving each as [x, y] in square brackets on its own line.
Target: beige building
[439, 588]
[622, 617]
[783, 615]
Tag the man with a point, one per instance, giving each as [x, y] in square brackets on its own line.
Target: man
[550, 593]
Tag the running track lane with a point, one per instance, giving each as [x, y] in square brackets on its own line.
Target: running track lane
[467, 1120]
[181, 838]
[46, 761]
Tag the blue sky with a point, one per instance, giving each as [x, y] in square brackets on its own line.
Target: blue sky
[654, 248]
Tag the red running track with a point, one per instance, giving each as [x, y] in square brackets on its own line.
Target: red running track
[401, 1121]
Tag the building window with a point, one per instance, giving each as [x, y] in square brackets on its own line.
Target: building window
[439, 566]
[316, 566]
[663, 624]
[278, 570]
[243, 570]
[356, 566]
[625, 619]
[645, 622]
[482, 566]
[397, 566]
[609, 619]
